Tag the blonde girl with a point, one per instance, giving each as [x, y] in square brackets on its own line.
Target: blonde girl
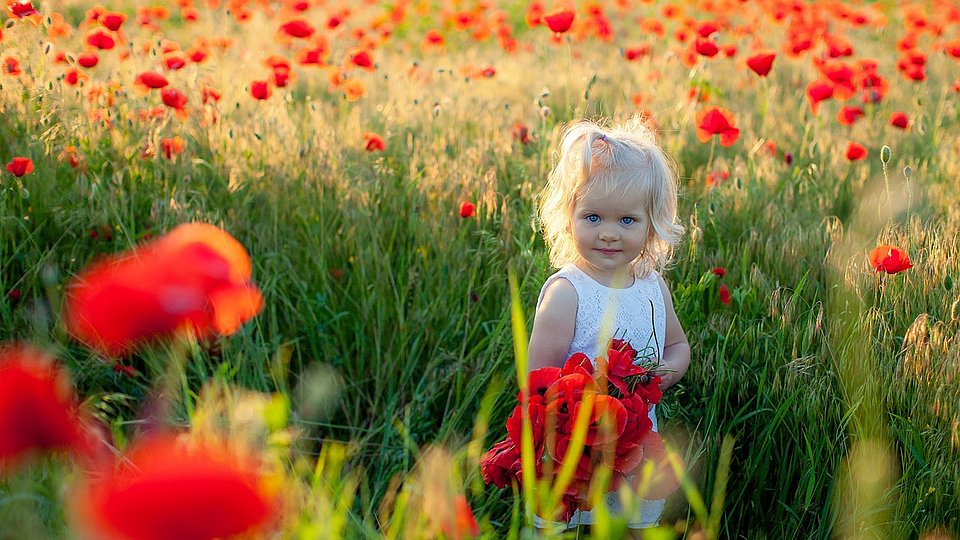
[609, 216]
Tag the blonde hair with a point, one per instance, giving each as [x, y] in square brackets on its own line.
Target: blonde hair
[617, 160]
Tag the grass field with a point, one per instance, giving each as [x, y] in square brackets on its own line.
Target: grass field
[382, 363]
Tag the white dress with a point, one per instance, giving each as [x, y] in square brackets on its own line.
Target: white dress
[637, 314]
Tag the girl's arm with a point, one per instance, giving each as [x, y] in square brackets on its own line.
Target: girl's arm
[676, 350]
[553, 326]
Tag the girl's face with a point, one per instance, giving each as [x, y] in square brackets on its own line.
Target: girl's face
[609, 232]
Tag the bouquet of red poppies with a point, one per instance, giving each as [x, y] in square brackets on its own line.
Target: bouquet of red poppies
[615, 391]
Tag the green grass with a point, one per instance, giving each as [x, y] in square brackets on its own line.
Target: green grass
[368, 271]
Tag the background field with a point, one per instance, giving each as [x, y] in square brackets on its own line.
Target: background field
[840, 390]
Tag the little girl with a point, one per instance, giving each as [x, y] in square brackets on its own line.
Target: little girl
[609, 216]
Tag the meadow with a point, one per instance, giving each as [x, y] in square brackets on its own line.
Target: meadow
[338, 143]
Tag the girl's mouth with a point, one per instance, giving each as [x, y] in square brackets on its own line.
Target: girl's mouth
[609, 251]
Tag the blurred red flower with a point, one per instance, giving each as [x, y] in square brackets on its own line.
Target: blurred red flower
[88, 59]
[521, 133]
[261, 90]
[899, 119]
[856, 151]
[20, 8]
[719, 271]
[467, 209]
[113, 20]
[101, 39]
[297, 28]
[559, 20]
[149, 80]
[196, 278]
[706, 47]
[724, 294]
[165, 488]
[848, 115]
[38, 409]
[20, 166]
[373, 142]
[818, 91]
[176, 100]
[889, 259]
[172, 146]
[716, 121]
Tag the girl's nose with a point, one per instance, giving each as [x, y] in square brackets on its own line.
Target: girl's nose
[608, 233]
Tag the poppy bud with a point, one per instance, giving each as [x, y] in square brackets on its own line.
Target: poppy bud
[885, 154]
[788, 158]
[907, 171]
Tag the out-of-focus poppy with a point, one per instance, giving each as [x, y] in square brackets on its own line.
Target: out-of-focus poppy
[297, 28]
[705, 47]
[761, 62]
[176, 100]
[717, 121]
[467, 209]
[360, 58]
[353, 89]
[113, 20]
[848, 115]
[373, 142]
[172, 146]
[719, 272]
[889, 259]
[195, 278]
[261, 90]
[88, 59]
[21, 8]
[818, 91]
[167, 488]
[636, 52]
[101, 39]
[38, 409]
[149, 80]
[900, 120]
[174, 61]
[20, 166]
[559, 20]
[521, 133]
[856, 151]
[724, 294]
[11, 66]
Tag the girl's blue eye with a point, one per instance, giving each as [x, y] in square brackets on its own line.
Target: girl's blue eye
[593, 218]
[627, 221]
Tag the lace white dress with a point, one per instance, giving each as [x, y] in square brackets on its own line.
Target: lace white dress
[635, 313]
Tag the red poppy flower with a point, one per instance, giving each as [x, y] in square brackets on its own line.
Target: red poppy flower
[297, 28]
[101, 39]
[11, 66]
[113, 20]
[38, 409]
[361, 58]
[88, 59]
[724, 294]
[165, 488]
[889, 259]
[467, 209]
[464, 524]
[705, 47]
[21, 8]
[261, 90]
[521, 133]
[848, 115]
[172, 146]
[559, 20]
[762, 61]
[195, 278]
[856, 151]
[149, 80]
[174, 61]
[501, 464]
[373, 142]
[176, 100]
[20, 166]
[719, 272]
[717, 121]
[899, 119]
[818, 91]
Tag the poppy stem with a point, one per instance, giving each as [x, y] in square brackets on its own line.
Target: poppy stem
[713, 145]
